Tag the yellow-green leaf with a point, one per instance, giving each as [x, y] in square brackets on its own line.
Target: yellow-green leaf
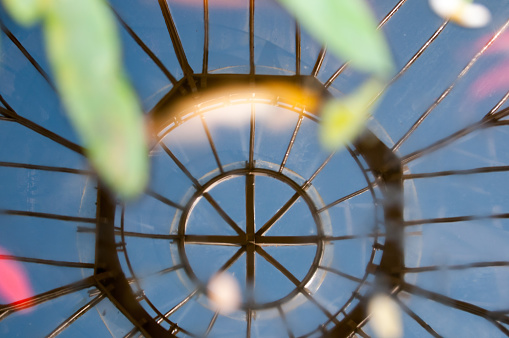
[26, 12]
[342, 120]
[348, 28]
[85, 54]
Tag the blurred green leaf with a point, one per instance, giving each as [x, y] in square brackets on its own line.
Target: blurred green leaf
[26, 12]
[344, 119]
[85, 54]
[348, 28]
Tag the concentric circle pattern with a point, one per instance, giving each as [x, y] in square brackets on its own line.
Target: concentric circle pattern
[267, 211]
[416, 208]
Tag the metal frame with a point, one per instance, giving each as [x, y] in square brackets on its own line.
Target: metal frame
[248, 240]
[370, 148]
[108, 276]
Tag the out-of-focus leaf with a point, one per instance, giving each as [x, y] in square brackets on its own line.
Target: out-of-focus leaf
[26, 12]
[85, 55]
[344, 119]
[348, 28]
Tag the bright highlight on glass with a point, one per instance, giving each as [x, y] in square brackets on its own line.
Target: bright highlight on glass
[224, 292]
[462, 12]
[385, 317]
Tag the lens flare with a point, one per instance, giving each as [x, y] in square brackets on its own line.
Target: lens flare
[14, 282]
[462, 12]
[224, 292]
[385, 317]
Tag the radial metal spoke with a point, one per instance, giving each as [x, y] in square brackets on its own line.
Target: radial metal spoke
[278, 215]
[334, 76]
[48, 262]
[163, 199]
[498, 105]
[207, 196]
[180, 165]
[250, 274]
[27, 55]
[391, 13]
[152, 236]
[319, 62]
[178, 306]
[456, 172]
[214, 240]
[192, 239]
[501, 327]
[455, 267]
[380, 25]
[52, 294]
[290, 145]
[278, 266]
[170, 269]
[252, 67]
[320, 306]
[75, 316]
[320, 168]
[249, 319]
[295, 281]
[211, 143]
[47, 215]
[419, 52]
[144, 47]
[361, 333]
[8, 109]
[250, 206]
[45, 168]
[313, 240]
[412, 59]
[287, 240]
[232, 260]
[455, 219]
[297, 48]
[418, 319]
[345, 198]
[454, 303]
[369, 235]
[344, 275]
[287, 325]
[250, 238]
[498, 116]
[211, 324]
[446, 141]
[133, 333]
[465, 70]
[177, 43]
[252, 136]
[205, 66]
[223, 214]
[41, 130]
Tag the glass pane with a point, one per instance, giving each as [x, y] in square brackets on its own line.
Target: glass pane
[229, 36]
[42, 319]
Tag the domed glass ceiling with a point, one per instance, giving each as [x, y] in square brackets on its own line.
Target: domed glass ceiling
[416, 207]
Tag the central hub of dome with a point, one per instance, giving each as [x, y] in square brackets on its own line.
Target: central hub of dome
[273, 224]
